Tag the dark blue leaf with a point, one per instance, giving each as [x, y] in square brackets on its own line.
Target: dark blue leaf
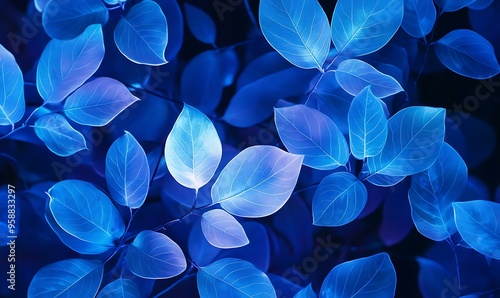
[98, 102]
[453, 5]
[153, 255]
[11, 89]
[354, 75]
[142, 35]
[383, 180]
[432, 192]
[372, 276]
[66, 64]
[68, 278]
[306, 292]
[201, 24]
[257, 182]
[480, 4]
[306, 131]
[120, 288]
[363, 28]
[58, 135]
[287, 27]
[127, 172]
[63, 19]
[200, 250]
[260, 67]
[222, 230]
[283, 286]
[467, 53]
[233, 278]
[175, 28]
[431, 278]
[338, 200]
[419, 17]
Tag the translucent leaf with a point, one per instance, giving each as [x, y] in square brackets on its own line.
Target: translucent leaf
[222, 230]
[354, 75]
[12, 106]
[431, 278]
[365, 277]
[153, 255]
[367, 125]
[127, 172]
[360, 28]
[384, 180]
[201, 24]
[68, 278]
[41, 4]
[467, 53]
[66, 64]
[175, 28]
[477, 223]
[63, 19]
[193, 149]
[120, 288]
[306, 292]
[98, 102]
[142, 34]
[432, 192]
[58, 135]
[338, 200]
[286, 25]
[414, 140]
[114, 2]
[233, 278]
[257, 182]
[419, 17]
[452, 5]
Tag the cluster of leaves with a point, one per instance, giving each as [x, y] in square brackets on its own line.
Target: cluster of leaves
[335, 117]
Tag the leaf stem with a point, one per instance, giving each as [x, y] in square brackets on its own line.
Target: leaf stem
[457, 266]
[186, 275]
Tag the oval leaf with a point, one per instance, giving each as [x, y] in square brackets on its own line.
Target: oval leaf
[419, 17]
[453, 5]
[12, 106]
[120, 288]
[222, 230]
[201, 24]
[257, 182]
[306, 292]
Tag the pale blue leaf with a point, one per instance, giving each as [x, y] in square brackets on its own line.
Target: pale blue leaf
[257, 182]
[414, 140]
[480, 4]
[419, 17]
[127, 172]
[120, 288]
[467, 53]
[153, 255]
[306, 292]
[360, 28]
[68, 278]
[142, 35]
[477, 223]
[452, 5]
[338, 200]
[193, 149]
[306, 131]
[432, 277]
[12, 106]
[368, 277]
[98, 102]
[114, 2]
[63, 19]
[201, 24]
[383, 180]
[367, 125]
[222, 230]
[58, 135]
[432, 192]
[85, 212]
[66, 64]
[41, 4]
[288, 27]
[233, 278]
[354, 75]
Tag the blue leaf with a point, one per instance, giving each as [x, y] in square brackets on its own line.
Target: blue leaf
[367, 125]
[175, 28]
[153, 255]
[419, 17]
[360, 28]
[85, 212]
[338, 200]
[68, 278]
[306, 292]
[120, 288]
[114, 2]
[193, 149]
[283, 286]
[63, 19]
[201, 24]
[383, 180]
[260, 67]
[41, 4]
[12, 106]
[453, 5]
[257, 182]
[414, 140]
[222, 230]
[432, 192]
[467, 53]
[477, 223]
[287, 25]
[233, 278]
[354, 75]
[480, 4]
[142, 35]
[127, 172]
[98, 102]
[66, 64]
[58, 135]
[372, 276]
[306, 131]
[431, 278]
